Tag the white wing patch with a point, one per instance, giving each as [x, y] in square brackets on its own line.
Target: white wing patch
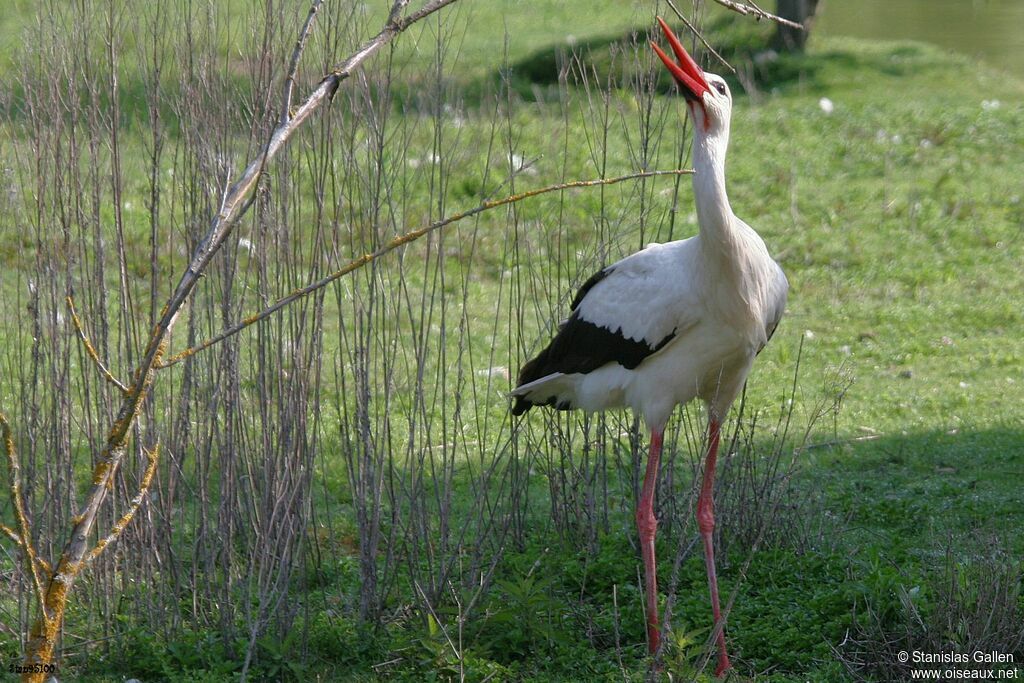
[647, 296]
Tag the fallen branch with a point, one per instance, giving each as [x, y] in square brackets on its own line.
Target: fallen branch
[838, 442]
[395, 243]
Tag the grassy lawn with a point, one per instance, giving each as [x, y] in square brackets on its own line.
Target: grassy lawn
[898, 218]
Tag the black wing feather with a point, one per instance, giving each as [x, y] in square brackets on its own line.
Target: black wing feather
[589, 285]
[581, 347]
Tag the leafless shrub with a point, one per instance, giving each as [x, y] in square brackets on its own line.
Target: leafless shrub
[967, 605]
[391, 379]
[755, 501]
[242, 430]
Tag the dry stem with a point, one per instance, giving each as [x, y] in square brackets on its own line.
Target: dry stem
[395, 243]
[53, 600]
[700, 36]
[153, 457]
[24, 532]
[90, 350]
[758, 13]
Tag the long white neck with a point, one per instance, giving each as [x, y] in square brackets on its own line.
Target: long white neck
[713, 211]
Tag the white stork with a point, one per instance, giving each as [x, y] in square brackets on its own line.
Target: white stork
[671, 323]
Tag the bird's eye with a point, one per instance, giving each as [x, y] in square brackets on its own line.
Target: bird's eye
[720, 87]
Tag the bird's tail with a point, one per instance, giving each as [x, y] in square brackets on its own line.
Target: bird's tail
[545, 391]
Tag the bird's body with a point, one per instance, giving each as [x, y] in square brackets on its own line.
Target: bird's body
[669, 324]
[693, 321]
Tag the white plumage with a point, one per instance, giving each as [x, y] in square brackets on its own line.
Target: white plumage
[669, 324]
[720, 320]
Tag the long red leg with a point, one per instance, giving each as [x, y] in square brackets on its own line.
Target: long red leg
[647, 525]
[706, 524]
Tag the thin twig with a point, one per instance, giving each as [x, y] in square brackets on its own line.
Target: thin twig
[53, 601]
[24, 529]
[147, 477]
[90, 350]
[390, 30]
[10, 533]
[396, 11]
[440, 625]
[758, 13]
[13, 535]
[381, 665]
[395, 243]
[237, 200]
[404, 23]
[837, 442]
[293, 66]
[700, 36]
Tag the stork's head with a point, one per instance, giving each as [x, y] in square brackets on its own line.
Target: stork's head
[707, 95]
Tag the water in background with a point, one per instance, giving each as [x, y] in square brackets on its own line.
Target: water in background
[992, 30]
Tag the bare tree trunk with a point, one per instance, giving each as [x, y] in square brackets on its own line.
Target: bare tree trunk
[802, 12]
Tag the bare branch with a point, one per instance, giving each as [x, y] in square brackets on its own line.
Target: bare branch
[396, 10]
[147, 478]
[397, 242]
[424, 11]
[700, 36]
[293, 66]
[24, 529]
[440, 624]
[235, 205]
[16, 539]
[91, 350]
[236, 202]
[13, 535]
[758, 13]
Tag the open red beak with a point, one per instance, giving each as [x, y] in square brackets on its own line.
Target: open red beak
[688, 75]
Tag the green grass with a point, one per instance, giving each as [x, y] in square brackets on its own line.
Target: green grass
[898, 219]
